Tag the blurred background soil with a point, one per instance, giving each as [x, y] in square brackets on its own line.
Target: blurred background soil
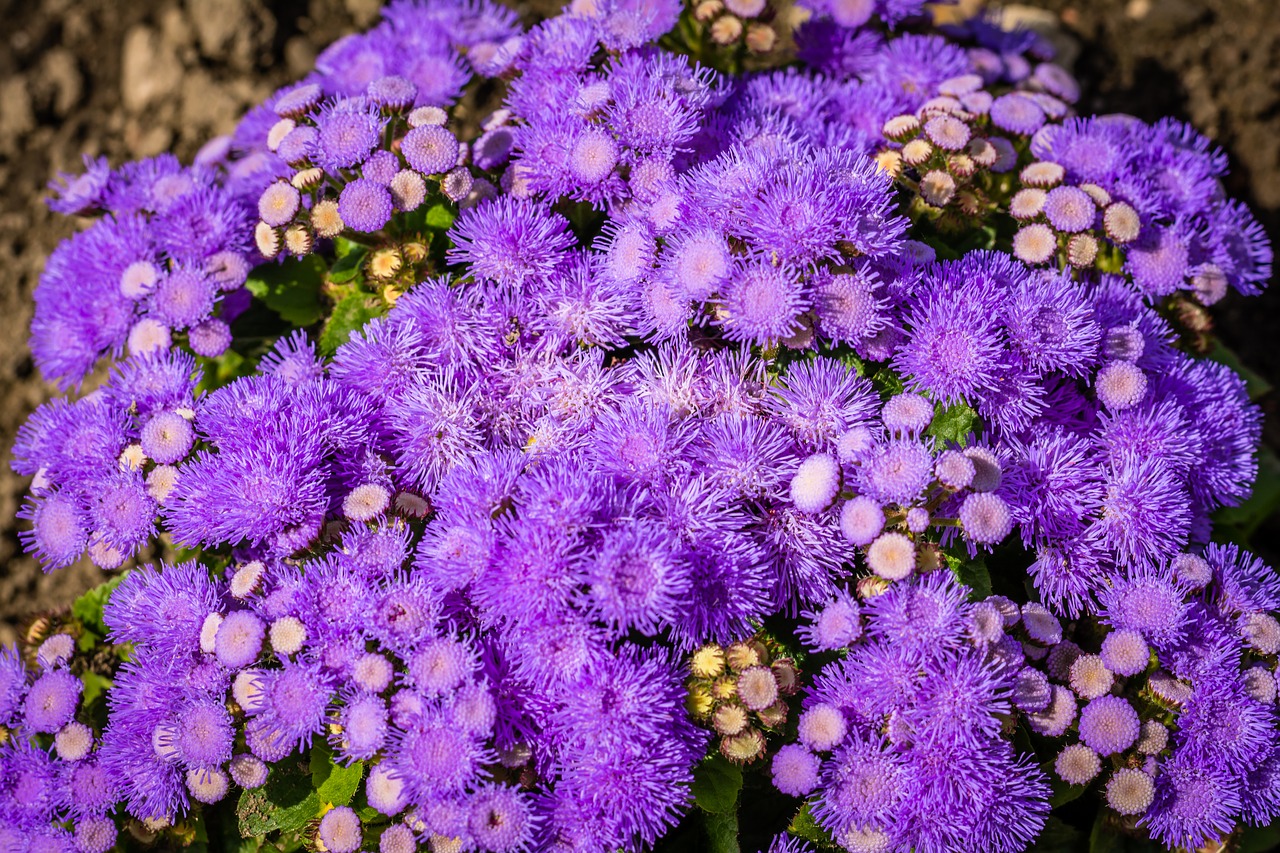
[133, 79]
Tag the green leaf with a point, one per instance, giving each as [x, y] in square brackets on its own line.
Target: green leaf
[953, 424]
[343, 246]
[246, 845]
[1255, 385]
[94, 686]
[888, 382]
[722, 832]
[1059, 837]
[850, 360]
[1259, 839]
[1103, 839]
[285, 803]
[351, 313]
[440, 216]
[804, 826]
[87, 609]
[348, 266]
[716, 783]
[1106, 837]
[291, 288]
[972, 573]
[335, 784]
[1239, 522]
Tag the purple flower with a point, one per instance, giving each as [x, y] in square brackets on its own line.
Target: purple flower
[1147, 601]
[954, 346]
[51, 701]
[510, 242]
[896, 471]
[1108, 724]
[1144, 510]
[1194, 802]
[863, 784]
[347, 134]
[79, 194]
[431, 149]
[821, 399]
[762, 303]
[636, 577]
[164, 609]
[365, 205]
[1017, 113]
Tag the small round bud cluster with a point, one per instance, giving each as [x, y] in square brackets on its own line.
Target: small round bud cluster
[734, 23]
[954, 148]
[1062, 220]
[357, 161]
[902, 488]
[945, 154]
[739, 691]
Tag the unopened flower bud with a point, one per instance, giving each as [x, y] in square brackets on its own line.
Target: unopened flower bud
[983, 152]
[707, 9]
[1121, 223]
[726, 30]
[916, 151]
[757, 687]
[298, 240]
[937, 188]
[961, 165]
[730, 719]
[699, 702]
[740, 656]
[901, 128]
[425, 116]
[788, 678]
[761, 38]
[708, 662]
[870, 587]
[384, 263]
[267, 240]
[744, 747]
[1043, 175]
[305, 179]
[1100, 197]
[278, 132]
[774, 716]
[325, 218]
[890, 162]
[724, 688]
[1082, 250]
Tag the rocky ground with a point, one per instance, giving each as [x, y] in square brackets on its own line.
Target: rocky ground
[133, 79]
[126, 80]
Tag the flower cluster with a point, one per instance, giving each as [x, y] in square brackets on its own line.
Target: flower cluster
[668, 423]
[741, 691]
[357, 160]
[166, 264]
[1177, 696]
[908, 725]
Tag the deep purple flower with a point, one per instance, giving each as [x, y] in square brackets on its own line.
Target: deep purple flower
[364, 205]
[510, 242]
[51, 701]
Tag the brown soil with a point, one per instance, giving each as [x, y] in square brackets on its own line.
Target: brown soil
[126, 80]
[132, 79]
[1216, 65]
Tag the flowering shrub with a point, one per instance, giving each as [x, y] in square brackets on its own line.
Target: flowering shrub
[616, 435]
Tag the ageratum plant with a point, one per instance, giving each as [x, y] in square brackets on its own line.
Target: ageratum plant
[663, 428]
